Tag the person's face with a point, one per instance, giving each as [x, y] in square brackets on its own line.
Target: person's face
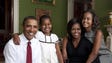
[46, 26]
[30, 28]
[87, 20]
[76, 31]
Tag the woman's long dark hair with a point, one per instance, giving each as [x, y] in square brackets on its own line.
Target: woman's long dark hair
[70, 25]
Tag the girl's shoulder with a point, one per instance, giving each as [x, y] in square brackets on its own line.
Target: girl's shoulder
[39, 35]
[39, 32]
[98, 32]
[54, 35]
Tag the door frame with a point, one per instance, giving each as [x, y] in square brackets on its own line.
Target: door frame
[16, 16]
[70, 9]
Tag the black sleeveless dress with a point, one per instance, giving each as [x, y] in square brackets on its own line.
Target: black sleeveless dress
[80, 53]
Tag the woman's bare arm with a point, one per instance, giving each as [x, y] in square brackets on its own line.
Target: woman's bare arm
[64, 52]
[58, 52]
[96, 47]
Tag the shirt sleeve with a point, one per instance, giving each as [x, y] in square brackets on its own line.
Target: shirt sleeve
[9, 53]
[55, 38]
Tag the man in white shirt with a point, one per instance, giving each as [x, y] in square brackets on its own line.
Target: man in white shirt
[18, 53]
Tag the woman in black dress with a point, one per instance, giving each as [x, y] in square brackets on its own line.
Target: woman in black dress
[76, 48]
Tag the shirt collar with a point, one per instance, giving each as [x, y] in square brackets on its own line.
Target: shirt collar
[24, 40]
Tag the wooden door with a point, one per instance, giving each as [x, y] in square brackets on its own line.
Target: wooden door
[80, 6]
[6, 23]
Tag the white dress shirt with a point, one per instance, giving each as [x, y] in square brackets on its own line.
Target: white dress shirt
[17, 53]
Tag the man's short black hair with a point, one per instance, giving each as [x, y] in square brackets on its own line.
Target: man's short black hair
[27, 18]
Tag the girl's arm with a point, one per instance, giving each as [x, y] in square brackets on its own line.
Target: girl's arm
[58, 52]
[16, 39]
[64, 52]
[96, 46]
